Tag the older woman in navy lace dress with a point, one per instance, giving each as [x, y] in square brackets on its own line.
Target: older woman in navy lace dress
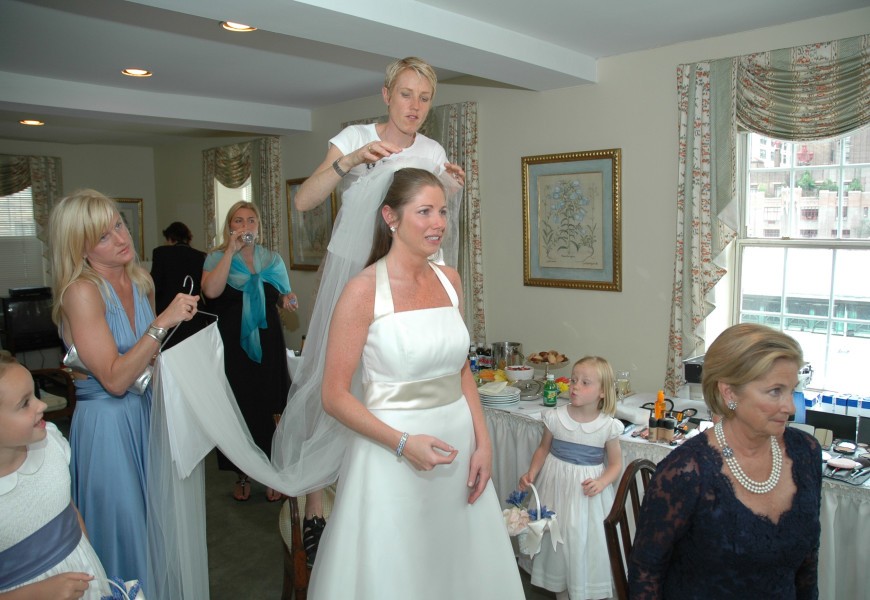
[734, 512]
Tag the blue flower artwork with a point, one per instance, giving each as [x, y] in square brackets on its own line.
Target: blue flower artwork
[569, 230]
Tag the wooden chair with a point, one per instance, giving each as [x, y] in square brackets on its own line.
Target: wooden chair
[55, 387]
[296, 572]
[621, 523]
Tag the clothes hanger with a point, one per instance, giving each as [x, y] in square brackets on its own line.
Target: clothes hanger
[187, 282]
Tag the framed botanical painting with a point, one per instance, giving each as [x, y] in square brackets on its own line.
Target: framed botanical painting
[309, 231]
[572, 220]
[131, 213]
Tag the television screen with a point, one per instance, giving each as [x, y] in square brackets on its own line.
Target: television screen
[28, 324]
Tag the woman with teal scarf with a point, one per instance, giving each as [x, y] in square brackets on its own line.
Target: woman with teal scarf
[244, 283]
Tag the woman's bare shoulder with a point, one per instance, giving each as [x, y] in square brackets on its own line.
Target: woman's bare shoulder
[363, 284]
[452, 275]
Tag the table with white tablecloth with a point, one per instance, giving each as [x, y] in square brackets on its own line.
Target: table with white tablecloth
[845, 511]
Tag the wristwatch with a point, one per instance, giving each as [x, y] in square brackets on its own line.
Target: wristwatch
[341, 172]
[158, 333]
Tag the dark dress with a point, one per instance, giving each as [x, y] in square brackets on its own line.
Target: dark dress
[695, 539]
[260, 388]
[171, 264]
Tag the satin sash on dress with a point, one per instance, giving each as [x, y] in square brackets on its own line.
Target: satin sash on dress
[577, 454]
[413, 395]
[41, 550]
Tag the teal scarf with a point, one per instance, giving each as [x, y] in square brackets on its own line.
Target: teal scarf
[268, 267]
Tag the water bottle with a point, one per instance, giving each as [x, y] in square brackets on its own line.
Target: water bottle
[472, 360]
[551, 391]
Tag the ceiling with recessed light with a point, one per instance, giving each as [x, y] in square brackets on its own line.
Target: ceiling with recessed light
[61, 60]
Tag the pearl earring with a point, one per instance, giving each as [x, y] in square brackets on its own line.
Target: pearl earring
[392, 228]
[732, 405]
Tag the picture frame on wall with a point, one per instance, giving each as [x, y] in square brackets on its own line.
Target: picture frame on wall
[309, 231]
[131, 212]
[572, 220]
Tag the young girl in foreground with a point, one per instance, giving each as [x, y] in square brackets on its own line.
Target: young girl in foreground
[43, 550]
[569, 472]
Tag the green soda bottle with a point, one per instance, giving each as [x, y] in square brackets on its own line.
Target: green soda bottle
[551, 391]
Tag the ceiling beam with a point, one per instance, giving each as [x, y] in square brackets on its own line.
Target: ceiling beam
[56, 96]
[404, 27]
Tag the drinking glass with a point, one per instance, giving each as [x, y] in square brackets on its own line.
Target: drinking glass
[623, 384]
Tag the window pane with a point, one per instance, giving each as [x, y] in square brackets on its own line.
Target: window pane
[16, 214]
[812, 190]
[762, 275]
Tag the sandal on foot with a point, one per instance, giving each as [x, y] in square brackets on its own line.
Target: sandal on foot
[273, 495]
[243, 489]
[312, 529]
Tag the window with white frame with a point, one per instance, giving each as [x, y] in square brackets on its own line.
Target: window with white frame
[810, 277]
[20, 250]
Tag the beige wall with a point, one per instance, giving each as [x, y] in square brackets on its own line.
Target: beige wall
[633, 107]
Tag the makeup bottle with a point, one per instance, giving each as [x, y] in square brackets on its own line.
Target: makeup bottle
[660, 405]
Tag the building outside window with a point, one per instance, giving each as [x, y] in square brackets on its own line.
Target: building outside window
[809, 277]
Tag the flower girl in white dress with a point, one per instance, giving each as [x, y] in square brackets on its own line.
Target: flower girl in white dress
[573, 479]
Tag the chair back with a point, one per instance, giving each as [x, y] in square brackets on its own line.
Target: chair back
[620, 524]
[55, 387]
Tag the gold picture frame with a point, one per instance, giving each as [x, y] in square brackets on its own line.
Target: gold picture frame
[309, 231]
[130, 210]
[572, 220]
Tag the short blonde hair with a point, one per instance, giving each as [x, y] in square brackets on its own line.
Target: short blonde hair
[76, 224]
[606, 379]
[743, 353]
[418, 65]
[229, 218]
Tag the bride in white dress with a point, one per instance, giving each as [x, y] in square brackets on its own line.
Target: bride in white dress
[416, 515]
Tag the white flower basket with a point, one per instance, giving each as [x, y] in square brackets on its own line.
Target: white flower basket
[530, 533]
[128, 585]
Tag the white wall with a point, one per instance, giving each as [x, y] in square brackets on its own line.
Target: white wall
[632, 107]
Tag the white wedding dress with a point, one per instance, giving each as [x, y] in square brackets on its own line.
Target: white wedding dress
[395, 532]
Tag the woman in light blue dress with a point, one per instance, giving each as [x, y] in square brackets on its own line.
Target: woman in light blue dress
[104, 308]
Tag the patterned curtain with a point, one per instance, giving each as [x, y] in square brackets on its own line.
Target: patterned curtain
[454, 126]
[232, 166]
[807, 92]
[269, 183]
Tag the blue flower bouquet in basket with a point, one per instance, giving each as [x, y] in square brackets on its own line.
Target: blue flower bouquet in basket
[529, 524]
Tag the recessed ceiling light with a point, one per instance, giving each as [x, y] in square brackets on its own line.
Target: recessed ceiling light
[137, 73]
[31, 122]
[240, 27]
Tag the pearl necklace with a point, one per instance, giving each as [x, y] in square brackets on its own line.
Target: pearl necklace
[753, 486]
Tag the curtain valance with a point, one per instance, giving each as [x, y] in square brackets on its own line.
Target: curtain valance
[808, 92]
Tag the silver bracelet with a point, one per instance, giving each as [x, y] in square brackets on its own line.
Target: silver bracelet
[402, 441]
[158, 333]
[338, 169]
